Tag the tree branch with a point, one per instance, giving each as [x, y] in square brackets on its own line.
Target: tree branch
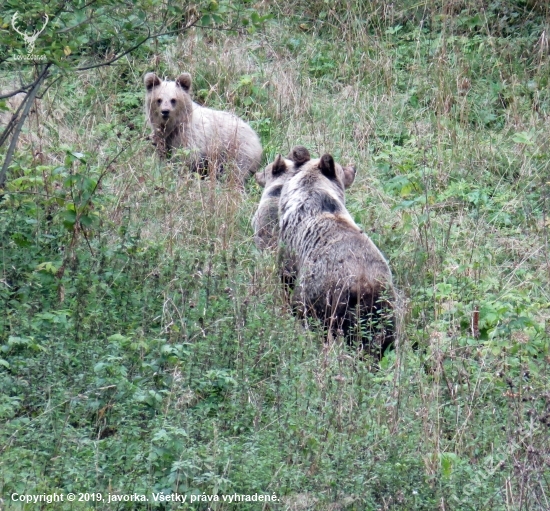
[71, 27]
[29, 101]
[22, 89]
[130, 50]
[12, 123]
[109, 62]
[49, 85]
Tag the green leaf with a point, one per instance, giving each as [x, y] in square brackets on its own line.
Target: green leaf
[68, 218]
[118, 339]
[47, 267]
[86, 220]
[523, 137]
[447, 459]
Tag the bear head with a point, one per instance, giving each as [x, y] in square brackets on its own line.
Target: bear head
[167, 103]
[282, 169]
[343, 177]
[325, 173]
[319, 186]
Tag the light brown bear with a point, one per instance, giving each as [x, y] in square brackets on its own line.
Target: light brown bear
[272, 179]
[215, 139]
[341, 277]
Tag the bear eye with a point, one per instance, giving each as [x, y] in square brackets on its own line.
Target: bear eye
[173, 101]
[159, 101]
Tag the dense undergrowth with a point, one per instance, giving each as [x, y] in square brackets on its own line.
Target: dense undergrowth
[145, 345]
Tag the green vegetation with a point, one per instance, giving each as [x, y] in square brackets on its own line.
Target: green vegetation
[145, 345]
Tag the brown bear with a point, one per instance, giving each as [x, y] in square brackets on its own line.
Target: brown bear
[214, 138]
[341, 277]
[272, 179]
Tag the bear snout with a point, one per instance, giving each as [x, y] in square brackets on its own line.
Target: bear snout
[165, 114]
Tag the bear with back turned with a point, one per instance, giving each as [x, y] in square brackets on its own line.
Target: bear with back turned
[272, 179]
[340, 277]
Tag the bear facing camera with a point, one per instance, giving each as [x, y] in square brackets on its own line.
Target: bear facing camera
[217, 140]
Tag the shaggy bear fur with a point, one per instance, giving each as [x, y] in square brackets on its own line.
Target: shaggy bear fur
[215, 139]
[272, 179]
[341, 277]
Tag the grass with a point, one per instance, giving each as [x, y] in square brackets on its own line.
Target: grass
[157, 354]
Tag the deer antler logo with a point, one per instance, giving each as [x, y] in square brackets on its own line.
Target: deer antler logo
[30, 40]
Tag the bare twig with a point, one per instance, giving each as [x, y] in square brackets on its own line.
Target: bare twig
[49, 85]
[135, 47]
[71, 27]
[13, 93]
[118, 57]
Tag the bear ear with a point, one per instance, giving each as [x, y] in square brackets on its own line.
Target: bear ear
[184, 81]
[349, 175]
[327, 167]
[261, 178]
[151, 80]
[299, 155]
[279, 166]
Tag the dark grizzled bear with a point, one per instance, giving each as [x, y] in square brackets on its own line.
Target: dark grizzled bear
[272, 178]
[341, 277]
